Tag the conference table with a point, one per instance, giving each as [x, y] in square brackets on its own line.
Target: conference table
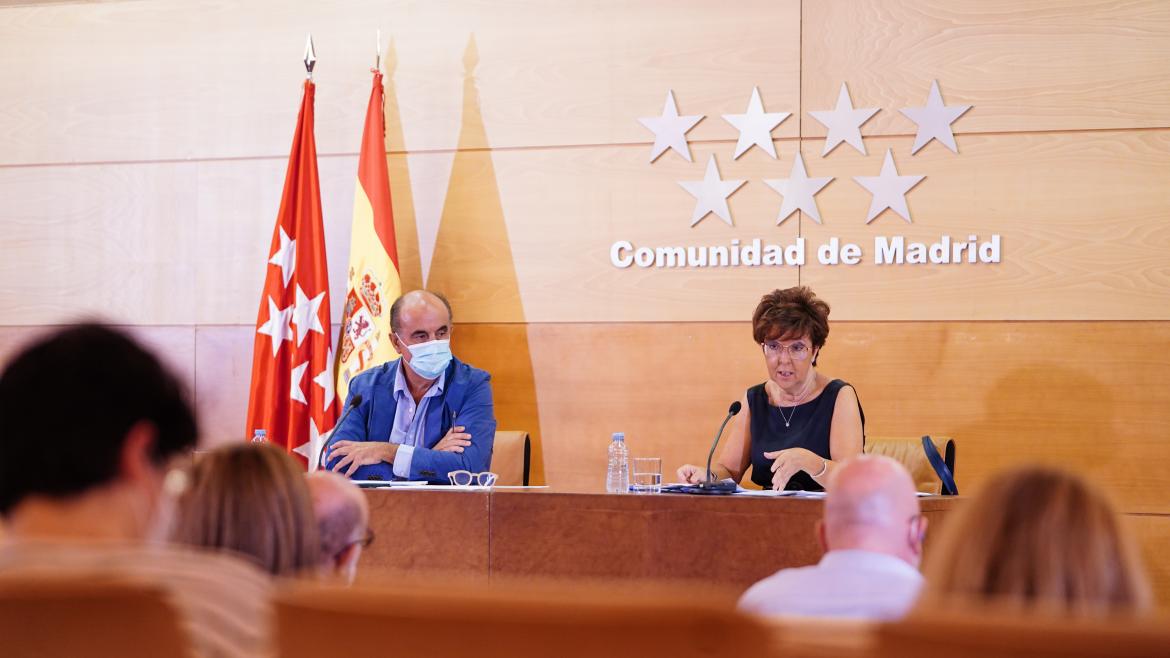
[731, 541]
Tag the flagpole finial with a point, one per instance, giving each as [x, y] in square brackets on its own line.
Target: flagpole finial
[310, 56]
[378, 51]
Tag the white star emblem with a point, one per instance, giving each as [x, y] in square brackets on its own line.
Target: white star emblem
[670, 130]
[311, 450]
[712, 193]
[755, 126]
[295, 392]
[888, 189]
[934, 121]
[799, 191]
[304, 314]
[277, 326]
[325, 380]
[844, 122]
[286, 256]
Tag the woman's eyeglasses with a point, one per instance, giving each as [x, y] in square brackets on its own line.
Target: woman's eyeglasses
[468, 479]
[366, 539]
[798, 350]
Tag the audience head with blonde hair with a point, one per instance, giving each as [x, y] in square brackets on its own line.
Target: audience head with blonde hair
[1038, 537]
[343, 521]
[252, 499]
[872, 505]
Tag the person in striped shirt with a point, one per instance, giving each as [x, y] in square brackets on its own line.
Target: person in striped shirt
[94, 432]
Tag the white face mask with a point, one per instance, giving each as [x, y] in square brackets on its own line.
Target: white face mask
[428, 360]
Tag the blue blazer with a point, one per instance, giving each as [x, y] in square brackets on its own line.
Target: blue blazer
[466, 400]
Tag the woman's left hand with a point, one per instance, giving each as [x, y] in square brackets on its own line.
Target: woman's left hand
[790, 462]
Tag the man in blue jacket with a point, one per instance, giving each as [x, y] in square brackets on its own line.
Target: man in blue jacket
[420, 416]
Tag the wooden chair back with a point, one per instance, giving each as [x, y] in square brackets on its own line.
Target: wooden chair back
[511, 457]
[908, 451]
[975, 633]
[568, 621]
[48, 616]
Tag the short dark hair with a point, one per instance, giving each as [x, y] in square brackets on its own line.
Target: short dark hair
[790, 313]
[67, 403]
[396, 309]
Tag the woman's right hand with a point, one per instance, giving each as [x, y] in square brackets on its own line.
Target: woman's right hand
[692, 474]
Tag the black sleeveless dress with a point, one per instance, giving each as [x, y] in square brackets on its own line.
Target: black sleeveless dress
[809, 426]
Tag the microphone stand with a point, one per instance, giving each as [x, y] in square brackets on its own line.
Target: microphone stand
[353, 404]
[710, 486]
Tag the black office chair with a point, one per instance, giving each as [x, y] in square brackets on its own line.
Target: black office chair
[944, 467]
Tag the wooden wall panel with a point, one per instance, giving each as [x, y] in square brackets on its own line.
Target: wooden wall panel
[1152, 532]
[225, 84]
[111, 241]
[1086, 396]
[593, 197]
[1083, 220]
[506, 351]
[223, 356]
[174, 346]
[170, 243]
[1038, 65]
[193, 250]
[1090, 397]
[238, 202]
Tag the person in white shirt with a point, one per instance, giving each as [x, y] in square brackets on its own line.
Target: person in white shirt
[872, 533]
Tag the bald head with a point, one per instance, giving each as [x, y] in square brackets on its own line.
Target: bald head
[415, 304]
[343, 515]
[872, 504]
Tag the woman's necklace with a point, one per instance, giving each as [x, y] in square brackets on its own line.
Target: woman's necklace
[787, 419]
[796, 401]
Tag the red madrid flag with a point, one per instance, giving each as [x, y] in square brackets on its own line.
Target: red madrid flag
[292, 396]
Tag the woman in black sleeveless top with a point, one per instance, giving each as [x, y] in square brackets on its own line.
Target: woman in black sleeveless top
[799, 423]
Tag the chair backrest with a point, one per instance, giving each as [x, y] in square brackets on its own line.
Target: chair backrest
[511, 456]
[572, 621]
[86, 616]
[973, 632]
[821, 637]
[908, 451]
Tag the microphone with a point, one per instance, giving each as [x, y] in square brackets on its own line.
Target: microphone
[353, 404]
[709, 486]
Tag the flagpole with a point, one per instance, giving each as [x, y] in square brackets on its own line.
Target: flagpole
[378, 51]
[310, 57]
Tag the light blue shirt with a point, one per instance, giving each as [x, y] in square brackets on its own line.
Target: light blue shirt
[410, 420]
[845, 583]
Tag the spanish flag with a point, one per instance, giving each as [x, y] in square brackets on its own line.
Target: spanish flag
[374, 283]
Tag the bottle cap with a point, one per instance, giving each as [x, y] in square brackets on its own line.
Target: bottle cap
[619, 436]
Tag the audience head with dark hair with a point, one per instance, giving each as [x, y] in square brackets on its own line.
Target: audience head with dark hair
[89, 420]
[251, 499]
[790, 314]
[343, 522]
[91, 425]
[1038, 537]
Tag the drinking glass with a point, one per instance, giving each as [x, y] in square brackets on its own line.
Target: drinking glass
[646, 475]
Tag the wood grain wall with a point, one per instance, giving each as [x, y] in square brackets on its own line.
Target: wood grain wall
[142, 148]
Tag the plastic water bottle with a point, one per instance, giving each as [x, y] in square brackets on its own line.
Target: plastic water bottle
[617, 474]
[259, 436]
